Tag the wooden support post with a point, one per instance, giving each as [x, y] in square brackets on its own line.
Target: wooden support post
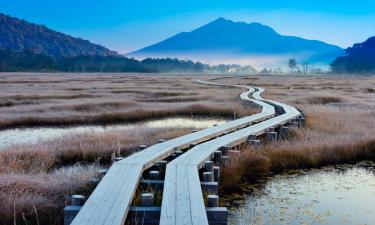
[77, 200]
[283, 132]
[147, 199]
[71, 211]
[217, 215]
[224, 149]
[212, 201]
[208, 166]
[162, 164]
[216, 173]
[255, 143]
[208, 177]
[295, 124]
[271, 136]
[154, 175]
[210, 187]
[217, 157]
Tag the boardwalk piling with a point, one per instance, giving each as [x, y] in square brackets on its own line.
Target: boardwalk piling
[216, 173]
[162, 164]
[70, 211]
[283, 132]
[208, 166]
[210, 187]
[78, 200]
[255, 143]
[271, 136]
[154, 175]
[217, 157]
[208, 177]
[224, 149]
[147, 199]
[212, 201]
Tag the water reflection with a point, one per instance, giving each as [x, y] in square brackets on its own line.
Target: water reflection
[334, 195]
[34, 135]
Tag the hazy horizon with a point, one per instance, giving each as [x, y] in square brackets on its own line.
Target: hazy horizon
[126, 26]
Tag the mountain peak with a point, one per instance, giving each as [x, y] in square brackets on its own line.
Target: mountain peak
[221, 20]
[228, 39]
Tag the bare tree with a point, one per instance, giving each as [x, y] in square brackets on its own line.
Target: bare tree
[292, 63]
[305, 67]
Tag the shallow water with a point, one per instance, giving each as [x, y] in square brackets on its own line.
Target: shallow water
[36, 134]
[333, 195]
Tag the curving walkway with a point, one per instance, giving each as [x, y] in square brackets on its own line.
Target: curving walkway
[110, 202]
[183, 201]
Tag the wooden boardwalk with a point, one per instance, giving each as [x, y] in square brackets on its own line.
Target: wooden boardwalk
[183, 201]
[110, 202]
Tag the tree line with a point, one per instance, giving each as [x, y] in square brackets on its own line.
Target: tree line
[358, 59]
[30, 61]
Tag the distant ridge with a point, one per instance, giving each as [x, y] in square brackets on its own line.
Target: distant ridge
[222, 38]
[19, 35]
[360, 58]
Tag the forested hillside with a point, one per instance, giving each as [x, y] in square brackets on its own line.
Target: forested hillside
[19, 35]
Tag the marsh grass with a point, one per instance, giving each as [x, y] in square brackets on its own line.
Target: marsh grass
[36, 180]
[39, 198]
[71, 99]
[340, 129]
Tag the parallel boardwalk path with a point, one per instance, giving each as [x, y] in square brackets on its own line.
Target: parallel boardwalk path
[109, 203]
[183, 201]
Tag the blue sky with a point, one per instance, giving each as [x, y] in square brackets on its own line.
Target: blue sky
[126, 25]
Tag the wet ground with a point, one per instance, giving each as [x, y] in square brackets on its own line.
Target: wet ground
[36, 134]
[333, 195]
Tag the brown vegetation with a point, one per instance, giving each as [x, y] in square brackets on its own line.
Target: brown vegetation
[36, 180]
[337, 133]
[71, 99]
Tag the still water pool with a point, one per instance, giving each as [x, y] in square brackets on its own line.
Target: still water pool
[333, 195]
[36, 134]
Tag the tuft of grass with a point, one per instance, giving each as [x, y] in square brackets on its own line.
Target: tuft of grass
[39, 198]
[245, 167]
[322, 100]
